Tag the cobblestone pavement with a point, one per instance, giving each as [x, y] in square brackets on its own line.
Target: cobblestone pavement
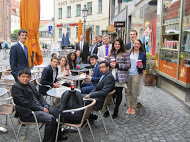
[163, 118]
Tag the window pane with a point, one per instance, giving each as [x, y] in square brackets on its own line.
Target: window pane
[89, 6]
[69, 32]
[59, 13]
[99, 6]
[68, 11]
[60, 33]
[97, 30]
[78, 10]
[76, 32]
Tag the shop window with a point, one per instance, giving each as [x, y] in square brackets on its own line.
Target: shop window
[59, 13]
[89, 6]
[60, 32]
[68, 11]
[78, 9]
[99, 6]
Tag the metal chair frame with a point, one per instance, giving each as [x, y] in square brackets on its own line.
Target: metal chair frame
[30, 123]
[87, 110]
[105, 107]
[8, 114]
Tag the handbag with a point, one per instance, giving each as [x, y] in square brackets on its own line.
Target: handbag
[115, 74]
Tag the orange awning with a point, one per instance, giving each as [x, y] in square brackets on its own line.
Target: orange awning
[79, 30]
[30, 20]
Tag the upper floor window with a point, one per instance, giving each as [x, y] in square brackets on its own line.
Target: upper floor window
[59, 13]
[69, 32]
[97, 30]
[99, 6]
[89, 6]
[68, 11]
[60, 33]
[78, 10]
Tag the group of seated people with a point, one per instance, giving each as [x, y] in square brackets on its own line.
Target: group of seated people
[27, 99]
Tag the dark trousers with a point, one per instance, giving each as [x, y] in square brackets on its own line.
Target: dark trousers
[87, 88]
[118, 98]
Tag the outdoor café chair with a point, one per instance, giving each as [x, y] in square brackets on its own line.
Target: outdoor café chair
[7, 109]
[87, 111]
[105, 107]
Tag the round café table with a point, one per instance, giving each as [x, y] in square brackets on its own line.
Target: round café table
[79, 70]
[84, 65]
[57, 92]
[76, 78]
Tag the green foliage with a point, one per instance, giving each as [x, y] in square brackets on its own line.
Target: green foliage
[14, 35]
[150, 64]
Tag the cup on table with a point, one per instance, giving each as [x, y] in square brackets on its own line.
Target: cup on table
[105, 57]
[139, 63]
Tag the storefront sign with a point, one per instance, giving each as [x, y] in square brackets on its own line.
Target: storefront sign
[59, 25]
[119, 24]
[111, 29]
[74, 24]
[65, 2]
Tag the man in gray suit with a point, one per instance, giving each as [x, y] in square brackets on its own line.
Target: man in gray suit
[103, 51]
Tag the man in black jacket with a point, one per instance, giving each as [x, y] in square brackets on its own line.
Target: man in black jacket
[27, 99]
[104, 87]
[49, 76]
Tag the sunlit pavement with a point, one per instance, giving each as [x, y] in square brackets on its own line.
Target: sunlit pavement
[162, 118]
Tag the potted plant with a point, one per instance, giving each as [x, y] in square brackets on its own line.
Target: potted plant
[149, 77]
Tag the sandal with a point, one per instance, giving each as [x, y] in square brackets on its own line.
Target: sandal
[128, 111]
[133, 111]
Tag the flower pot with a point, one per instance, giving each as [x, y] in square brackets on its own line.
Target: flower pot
[149, 80]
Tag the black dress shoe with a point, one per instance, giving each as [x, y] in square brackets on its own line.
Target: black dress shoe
[106, 114]
[62, 138]
[114, 116]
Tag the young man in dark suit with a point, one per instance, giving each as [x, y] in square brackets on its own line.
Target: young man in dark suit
[93, 79]
[19, 54]
[27, 99]
[49, 76]
[84, 49]
[105, 85]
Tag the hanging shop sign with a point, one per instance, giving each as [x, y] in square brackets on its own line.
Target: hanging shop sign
[119, 24]
[111, 29]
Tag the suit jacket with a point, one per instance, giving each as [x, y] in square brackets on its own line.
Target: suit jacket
[142, 56]
[102, 89]
[95, 51]
[85, 52]
[23, 98]
[122, 65]
[18, 59]
[78, 60]
[128, 46]
[101, 52]
[96, 74]
[47, 79]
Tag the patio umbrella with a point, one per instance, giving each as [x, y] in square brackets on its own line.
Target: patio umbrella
[79, 30]
[30, 20]
[63, 40]
[67, 42]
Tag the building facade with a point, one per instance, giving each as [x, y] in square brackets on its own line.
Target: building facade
[15, 16]
[5, 19]
[69, 12]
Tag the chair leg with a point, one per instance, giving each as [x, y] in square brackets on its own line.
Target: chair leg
[103, 123]
[80, 134]
[18, 132]
[12, 125]
[90, 130]
[37, 125]
[110, 115]
[57, 128]
[6, 120]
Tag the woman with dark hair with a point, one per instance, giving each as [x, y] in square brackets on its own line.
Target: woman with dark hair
[138, 64]
[71, 60]
[63, 70]
[119, 61]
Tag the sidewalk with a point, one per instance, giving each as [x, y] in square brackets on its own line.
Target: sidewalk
[162, 119]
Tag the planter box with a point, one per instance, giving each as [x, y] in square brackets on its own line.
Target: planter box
[149, 80]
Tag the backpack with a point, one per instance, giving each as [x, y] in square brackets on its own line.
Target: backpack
[71, 99]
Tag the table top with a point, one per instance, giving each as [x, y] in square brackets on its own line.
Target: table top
[79, 70]
[75, 77]
[84, 65]
[57, 92]
[3, 91]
